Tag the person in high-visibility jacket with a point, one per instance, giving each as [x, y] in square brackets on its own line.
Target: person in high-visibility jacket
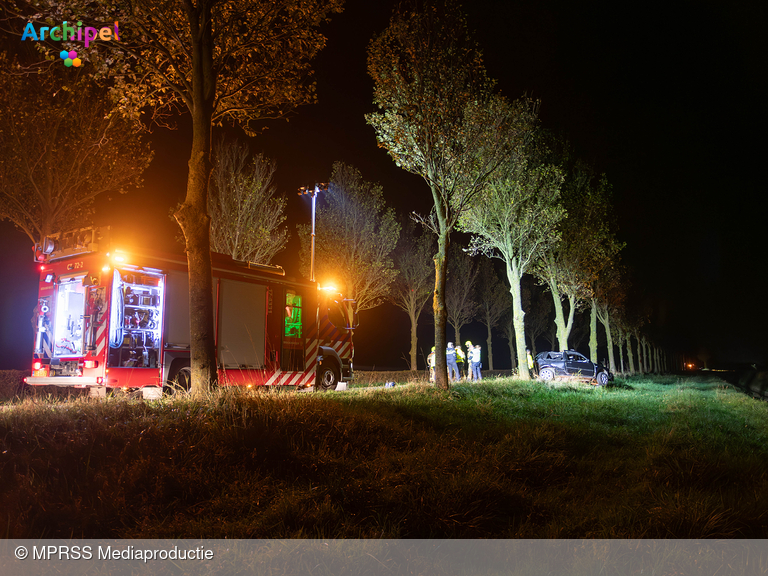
[461, 361]
[469, 347]
[530, 361]
[475, 362]
[450, 359]
[431, 364]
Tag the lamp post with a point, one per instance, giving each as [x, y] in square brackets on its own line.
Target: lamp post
[313, 191]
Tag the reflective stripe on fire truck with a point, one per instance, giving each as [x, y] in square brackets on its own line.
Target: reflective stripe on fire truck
[101, 338]
[301, 379]
[332, 338]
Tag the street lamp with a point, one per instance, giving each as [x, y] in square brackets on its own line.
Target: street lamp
[312, 191]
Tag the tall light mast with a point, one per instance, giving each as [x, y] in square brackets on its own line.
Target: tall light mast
[313, 192]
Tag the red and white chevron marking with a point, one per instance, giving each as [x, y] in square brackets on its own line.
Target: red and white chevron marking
[343, 349]
[101, 339]
[331, 336]
[46, 341]
[301, 379]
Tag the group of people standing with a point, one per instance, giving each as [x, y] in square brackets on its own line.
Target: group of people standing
[457, 360]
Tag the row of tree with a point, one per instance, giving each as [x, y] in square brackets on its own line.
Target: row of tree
[491, 170]
[361, 245]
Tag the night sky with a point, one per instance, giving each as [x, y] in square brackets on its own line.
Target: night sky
[668, 99]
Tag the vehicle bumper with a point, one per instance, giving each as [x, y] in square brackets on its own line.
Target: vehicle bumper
[347, 373]
[75, 381]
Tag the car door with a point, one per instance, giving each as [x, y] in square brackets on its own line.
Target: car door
[578, 365]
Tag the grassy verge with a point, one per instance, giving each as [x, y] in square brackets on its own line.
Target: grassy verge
[365, 379]
[644, 458]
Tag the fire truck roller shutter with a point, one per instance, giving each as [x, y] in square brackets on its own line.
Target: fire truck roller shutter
[177, 308]
[242, 324]
[328, 369]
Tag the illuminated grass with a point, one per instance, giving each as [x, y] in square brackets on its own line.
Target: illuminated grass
[661, 458]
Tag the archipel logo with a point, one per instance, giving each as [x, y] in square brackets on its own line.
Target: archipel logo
[69, 33]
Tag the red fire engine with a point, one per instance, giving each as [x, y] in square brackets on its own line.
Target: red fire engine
[113, 319]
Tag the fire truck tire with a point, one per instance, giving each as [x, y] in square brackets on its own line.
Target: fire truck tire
[180, 383]
[328, 377]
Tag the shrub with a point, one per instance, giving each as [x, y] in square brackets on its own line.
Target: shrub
[11, 384]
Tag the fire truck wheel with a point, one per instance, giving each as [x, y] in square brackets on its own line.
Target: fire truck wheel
[327, 378]
[180, 383]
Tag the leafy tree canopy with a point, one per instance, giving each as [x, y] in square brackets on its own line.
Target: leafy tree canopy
[355, 237]
[62, 143]
[259, 52]
[246, 216]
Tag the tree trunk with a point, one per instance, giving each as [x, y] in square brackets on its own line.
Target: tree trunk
[512, 353]
[593, 332]
[440, 313]
[563, 328]
[488, 345]
[605, 319]
[509, 332]
[192, 215]
[621, 353]
[649, 352]
[518, 316]
[552, 336]
[620, 336]
[630, 355]
[609, 337]
[414, 340]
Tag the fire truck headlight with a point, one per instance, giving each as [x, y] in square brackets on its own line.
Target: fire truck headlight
[37, 365]
[91, 363]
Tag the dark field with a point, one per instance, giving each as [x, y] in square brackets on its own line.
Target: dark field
[650, 457]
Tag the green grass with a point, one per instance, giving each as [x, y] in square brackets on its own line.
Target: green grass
[644, 458]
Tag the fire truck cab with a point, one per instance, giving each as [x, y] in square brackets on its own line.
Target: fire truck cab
[112, 319]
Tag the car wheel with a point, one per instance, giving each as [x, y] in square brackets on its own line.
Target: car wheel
[602, 379]
[327, 378]
[546, 374]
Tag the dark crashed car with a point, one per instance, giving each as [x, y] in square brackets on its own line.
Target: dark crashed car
[551, 365]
